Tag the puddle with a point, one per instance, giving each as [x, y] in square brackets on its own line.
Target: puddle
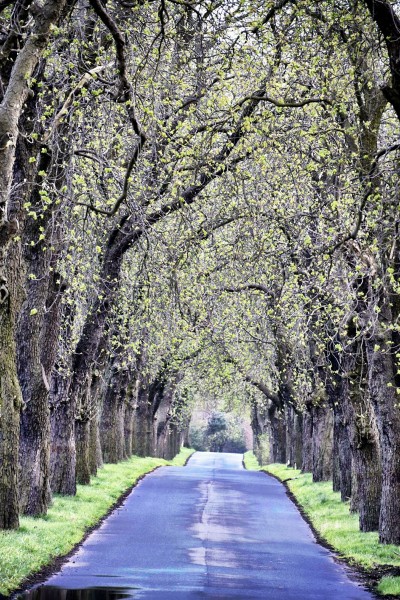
[97, 593]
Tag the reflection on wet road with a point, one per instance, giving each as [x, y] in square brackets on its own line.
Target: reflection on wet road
[209, 530]
[54, 593]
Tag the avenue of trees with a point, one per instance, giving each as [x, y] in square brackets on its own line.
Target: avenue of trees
[200, 198]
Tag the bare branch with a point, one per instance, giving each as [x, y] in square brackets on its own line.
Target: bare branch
[270, 14]
[287, 103]
[360, 213]
[126, 91]
[249, 286]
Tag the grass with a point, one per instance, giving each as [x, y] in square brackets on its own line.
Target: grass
[250, 462]
[39, 540]
[333, 521]
[389, 586]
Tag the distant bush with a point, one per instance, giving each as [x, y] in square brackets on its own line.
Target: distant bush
[197, 438]
[223, 433]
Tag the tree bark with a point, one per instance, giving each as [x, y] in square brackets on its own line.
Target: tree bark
[38, 333]
[355, 496]
[277, 435]
[95, 453]
[144, 422]
[307, 462]
[258, 421]
[82, 443]
[128, 424]
[10, 405]
[17, 91]
[62, 418]
[294, 437]
[167, 416]
[385, 16]
[382, 371]
[322, 443]
[365, 455]
[62, 450]
[337, 393]
[112, 423]
[366, 464]
[342, 453]
[15, 94]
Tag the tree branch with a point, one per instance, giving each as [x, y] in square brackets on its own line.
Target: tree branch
[287, 103]
[83, 82]
[384, 15]
[249, 286]
[125, 95]
[270, 14]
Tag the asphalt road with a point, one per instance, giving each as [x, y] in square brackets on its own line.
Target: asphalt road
[209, 530]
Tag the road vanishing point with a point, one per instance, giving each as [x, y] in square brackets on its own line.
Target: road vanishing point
[208, 530]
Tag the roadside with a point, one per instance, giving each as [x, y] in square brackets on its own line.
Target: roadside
[41, 544]
[337, 529]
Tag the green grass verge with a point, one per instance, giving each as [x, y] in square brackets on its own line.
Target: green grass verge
[389, 586]
[250, 462]
[39, 540]
[333, 521]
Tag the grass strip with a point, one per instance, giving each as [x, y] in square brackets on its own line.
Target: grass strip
[39, 540]
[334, 523]
[389, 586]
[250, 462]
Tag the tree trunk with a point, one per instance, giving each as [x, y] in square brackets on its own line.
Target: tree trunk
[259, 429]
[186, 440]
[149, 398]
[37, 338]
[143, 421]
[62, 451]
[307, 462]
[344, 454]
[366, 466]
[34, 490]
[128, 426]
[82, 442]
[369, 484]
[322, 443]
[112, 423]
[175, 439]
[143, 432]
[385, 15]
[365, 458]
[382, 389]
[90, 348]
[166, 413]
[10, 405]
[337, 390]
[62, 421]
[355, 496]
[277, 435]
[294, 437]
[39, 321]
[15, 93]
[95, 452]
[335, 456]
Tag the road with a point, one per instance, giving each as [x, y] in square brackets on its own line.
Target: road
[208, 530]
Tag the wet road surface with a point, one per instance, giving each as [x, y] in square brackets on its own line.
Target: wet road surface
[208, 530]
